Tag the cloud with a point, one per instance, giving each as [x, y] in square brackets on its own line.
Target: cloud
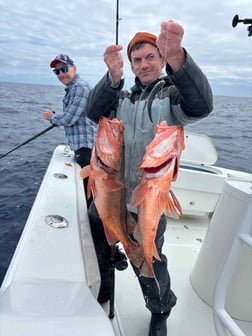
[34, 32]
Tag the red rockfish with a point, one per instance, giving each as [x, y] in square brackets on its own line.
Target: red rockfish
[106, 182]
[153, 196]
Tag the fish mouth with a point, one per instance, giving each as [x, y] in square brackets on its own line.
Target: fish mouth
[153, 170]
[163, 168]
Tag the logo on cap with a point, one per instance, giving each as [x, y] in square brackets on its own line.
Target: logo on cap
[63, 58]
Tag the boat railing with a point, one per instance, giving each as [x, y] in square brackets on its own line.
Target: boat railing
[222, 319]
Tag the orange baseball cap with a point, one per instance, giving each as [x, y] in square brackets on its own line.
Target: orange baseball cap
[141, 37]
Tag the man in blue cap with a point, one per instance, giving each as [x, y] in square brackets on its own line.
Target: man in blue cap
[80, 130]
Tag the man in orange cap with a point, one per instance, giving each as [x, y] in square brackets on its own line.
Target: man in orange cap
[184, 97]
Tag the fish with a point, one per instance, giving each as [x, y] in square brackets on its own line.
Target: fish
[153, 195]
[107, 186]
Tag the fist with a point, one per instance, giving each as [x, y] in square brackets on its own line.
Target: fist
[169, 39]
[114, 61]
[169, 44]
[47, 114]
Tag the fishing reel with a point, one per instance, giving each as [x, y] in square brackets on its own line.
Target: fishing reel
[236, 20]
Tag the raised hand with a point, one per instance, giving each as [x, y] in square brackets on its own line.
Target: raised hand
[169, 44]
[114, 61]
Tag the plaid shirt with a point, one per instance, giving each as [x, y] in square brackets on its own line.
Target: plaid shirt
[80, 130]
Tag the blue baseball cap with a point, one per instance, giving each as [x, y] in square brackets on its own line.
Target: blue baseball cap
[63, 58]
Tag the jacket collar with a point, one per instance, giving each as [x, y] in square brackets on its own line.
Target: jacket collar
[139, 87]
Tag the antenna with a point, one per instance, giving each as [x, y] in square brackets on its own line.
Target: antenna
[236, 20]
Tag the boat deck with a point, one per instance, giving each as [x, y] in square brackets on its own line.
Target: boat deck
[53, 279]
[191, 316]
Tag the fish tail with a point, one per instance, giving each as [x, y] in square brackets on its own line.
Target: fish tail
[135, 253]
[155, 253]
[110, 236]
[148, 272]
[149, 257]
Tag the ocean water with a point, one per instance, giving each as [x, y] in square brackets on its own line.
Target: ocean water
[21, 172]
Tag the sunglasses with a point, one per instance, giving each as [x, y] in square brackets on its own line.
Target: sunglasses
[63, 69]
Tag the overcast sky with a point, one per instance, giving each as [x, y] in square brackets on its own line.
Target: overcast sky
[33, 32]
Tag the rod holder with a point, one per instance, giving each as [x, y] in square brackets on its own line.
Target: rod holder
[237, 20]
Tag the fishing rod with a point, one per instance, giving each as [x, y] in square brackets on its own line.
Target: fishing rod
[113, 246]
[27, 141]
[117, 20]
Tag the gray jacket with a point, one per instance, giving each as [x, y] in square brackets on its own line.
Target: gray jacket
[184, 98]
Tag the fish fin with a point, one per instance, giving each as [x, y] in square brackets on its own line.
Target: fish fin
[111, 239]
[137, 233]
[89, 190]
[85, 172]
[131, 223]
[155, 253]
[139, 193]
[146, 270]
[111, 185]
[173, 208]
[176, 203]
